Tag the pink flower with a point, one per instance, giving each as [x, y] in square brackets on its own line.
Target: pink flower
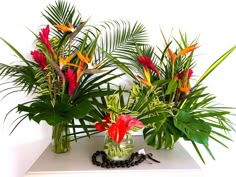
[43, 35]
[71, 76]
[40, 59]
[123, 124]
[106, 120]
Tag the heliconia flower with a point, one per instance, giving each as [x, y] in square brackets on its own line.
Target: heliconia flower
[172, 55]
[185, 84]
[43, 35]
[106, 120]
[187, 50]
[181, 75]
[147, 62]
[176, 77]
[144, 81]
[185, 87]
[83, 58]
[40, 59]
[63, 28]
[147, 74]
[71, 76]
[122, 125]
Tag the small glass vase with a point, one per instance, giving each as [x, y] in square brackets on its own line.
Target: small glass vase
[119, 151]
[60, 140]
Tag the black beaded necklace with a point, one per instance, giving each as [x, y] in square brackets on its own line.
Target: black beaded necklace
[135, 159]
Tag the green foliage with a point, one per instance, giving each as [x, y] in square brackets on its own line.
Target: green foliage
[191, 113]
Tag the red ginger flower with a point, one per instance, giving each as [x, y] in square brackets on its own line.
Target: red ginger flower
[43, 35]
[147, 62]
[123, 124]
[106, 120]
[71, 76]
[40, 59]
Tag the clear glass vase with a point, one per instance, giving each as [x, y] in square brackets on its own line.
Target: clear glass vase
[119, 151]
[60, 140]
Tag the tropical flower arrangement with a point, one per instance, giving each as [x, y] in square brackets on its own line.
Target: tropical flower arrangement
[70, 77]
[62, 74]
[176, 108]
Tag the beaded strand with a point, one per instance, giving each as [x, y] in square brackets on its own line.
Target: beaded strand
[135, 159]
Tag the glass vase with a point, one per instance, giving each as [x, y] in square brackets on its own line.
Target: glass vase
[119, 151]
[60, 140]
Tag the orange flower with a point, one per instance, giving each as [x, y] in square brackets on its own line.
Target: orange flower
[80, 70]
[185, 87]
[145, 82]
[65, 61]
[172, 55]
[187, 50]
[185, 84]
[64, 28]
[83, 58]
[147, 74]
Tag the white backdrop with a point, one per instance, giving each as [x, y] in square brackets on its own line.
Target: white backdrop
[214, 21]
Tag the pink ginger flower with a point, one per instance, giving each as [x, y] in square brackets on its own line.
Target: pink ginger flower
[71, 76]
[40, 59]
[43, 35]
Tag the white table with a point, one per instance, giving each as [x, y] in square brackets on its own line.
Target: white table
[77, 163]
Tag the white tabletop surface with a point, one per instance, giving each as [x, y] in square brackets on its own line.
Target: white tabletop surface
[77, 162]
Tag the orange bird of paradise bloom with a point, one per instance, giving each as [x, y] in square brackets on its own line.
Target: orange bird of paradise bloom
[182, 52]
[63, 28]
[66, 61]
[83, 59]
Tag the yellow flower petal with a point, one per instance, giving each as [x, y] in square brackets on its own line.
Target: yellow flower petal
[147, 74]
[83, 58]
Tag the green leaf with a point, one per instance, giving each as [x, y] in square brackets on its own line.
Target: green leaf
[83, 109]
[196, 130]
[215, 64]
[171, 87]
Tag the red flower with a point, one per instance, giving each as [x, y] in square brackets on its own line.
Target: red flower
[181, 75]
[40, 59]
[106, 120]
[123, 124]
[147, 62]
[43, 35]
[117, 131]
[71, 76]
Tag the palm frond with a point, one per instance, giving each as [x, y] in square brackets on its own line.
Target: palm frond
[21, 76]
[119, 38]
